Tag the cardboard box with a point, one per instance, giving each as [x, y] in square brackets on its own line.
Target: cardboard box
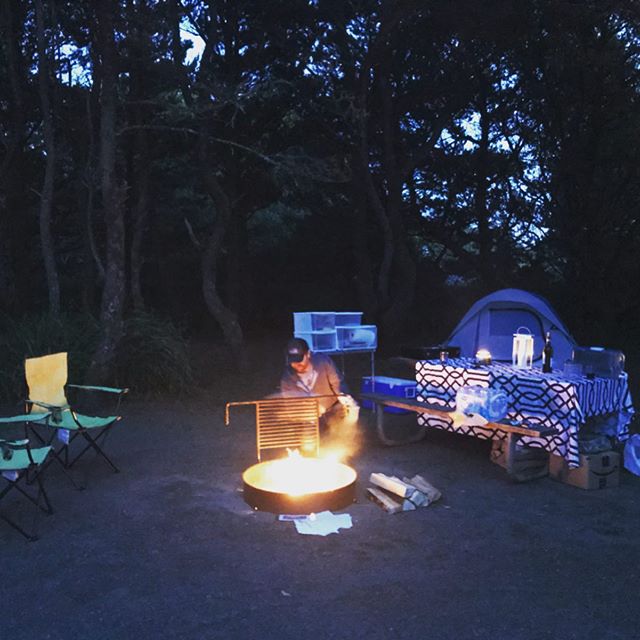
[529, 463]
[596, 470]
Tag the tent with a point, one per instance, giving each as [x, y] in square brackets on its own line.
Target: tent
[491, 322]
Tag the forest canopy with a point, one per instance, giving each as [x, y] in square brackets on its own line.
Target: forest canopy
[398, 157]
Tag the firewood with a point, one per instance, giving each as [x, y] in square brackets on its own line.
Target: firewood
[432, 494]
[393, 485]
[382, 499]
[390, 503]
[417, 497]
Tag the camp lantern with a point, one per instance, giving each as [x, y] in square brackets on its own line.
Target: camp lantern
[522, 357]
[483, 356]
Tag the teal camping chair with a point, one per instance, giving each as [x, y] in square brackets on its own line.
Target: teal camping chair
[21, 467]
[46, 378]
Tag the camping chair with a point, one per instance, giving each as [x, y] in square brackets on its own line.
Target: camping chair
[21, 466]
[47, 384]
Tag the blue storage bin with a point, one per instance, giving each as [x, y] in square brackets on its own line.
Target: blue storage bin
[348, 318]
[391, 387]
[361, 337]
[314, 321]
[319, 340]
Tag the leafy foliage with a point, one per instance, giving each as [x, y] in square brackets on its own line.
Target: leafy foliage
[153, 357]
[42, 334]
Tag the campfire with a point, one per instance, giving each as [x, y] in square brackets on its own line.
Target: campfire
[295, 483]
[299, 485]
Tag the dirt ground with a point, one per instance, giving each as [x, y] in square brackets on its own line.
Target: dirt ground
[168, 549]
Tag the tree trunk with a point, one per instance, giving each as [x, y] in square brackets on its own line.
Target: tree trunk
[12, 220]
[141, 148]
[224, 316]
[113, 294]
[46, 198]
[364, 278]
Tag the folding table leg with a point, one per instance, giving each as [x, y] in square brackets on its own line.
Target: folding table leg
[510, 452]
[416, 437]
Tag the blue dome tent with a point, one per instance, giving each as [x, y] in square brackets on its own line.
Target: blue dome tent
[491, 322]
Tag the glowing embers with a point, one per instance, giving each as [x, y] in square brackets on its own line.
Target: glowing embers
[299, 485]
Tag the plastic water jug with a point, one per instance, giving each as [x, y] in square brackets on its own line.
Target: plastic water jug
[632, 454]
[491, 404]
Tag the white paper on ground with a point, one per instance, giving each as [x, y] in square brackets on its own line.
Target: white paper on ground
[323, 523]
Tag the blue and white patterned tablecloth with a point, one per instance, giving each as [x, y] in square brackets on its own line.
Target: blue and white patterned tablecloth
[536, 398]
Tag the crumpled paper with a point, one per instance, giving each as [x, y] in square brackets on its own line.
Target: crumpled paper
[322, 523]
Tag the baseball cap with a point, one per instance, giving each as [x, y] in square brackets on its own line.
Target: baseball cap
[296, 350]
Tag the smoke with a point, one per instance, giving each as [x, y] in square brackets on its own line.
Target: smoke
[342, 436]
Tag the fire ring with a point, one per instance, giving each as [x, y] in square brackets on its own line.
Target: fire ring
[305, 485]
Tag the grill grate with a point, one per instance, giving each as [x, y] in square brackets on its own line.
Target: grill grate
[285, 423]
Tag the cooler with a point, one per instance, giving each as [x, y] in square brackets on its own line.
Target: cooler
[389, 386]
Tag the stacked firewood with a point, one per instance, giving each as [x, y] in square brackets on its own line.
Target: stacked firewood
[394, 494]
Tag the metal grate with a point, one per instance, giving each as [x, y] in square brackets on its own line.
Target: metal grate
[285, 423]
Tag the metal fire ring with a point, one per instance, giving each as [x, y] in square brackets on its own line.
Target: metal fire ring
[279, 502]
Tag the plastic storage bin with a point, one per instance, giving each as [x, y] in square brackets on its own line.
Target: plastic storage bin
[319, 340]
[348, 318]
[389, 386]
[491, 404]
[604, 363]
[314, 321]
[353, 338]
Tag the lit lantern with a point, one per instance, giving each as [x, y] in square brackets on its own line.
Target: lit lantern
[522, 349]
[483, 356]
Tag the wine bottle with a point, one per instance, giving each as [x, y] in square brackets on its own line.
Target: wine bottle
[547, 354]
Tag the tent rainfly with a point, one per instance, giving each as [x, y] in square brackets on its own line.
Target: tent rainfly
[491, 322]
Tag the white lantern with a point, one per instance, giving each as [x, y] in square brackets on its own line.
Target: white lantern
[522, 348]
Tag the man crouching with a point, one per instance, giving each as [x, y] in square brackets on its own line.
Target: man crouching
[315, 374]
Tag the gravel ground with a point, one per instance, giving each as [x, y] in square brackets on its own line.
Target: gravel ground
[168, 549]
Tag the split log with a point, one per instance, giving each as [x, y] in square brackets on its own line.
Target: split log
[392, 484]
[389, 503]
[417, 497]
[432, 494]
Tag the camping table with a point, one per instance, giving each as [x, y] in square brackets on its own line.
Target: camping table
[550, 399]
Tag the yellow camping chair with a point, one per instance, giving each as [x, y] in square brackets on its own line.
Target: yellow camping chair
[46, 378]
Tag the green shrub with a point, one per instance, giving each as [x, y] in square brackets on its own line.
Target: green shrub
[153, 357]
[39, 335]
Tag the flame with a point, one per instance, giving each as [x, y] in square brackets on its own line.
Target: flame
[296, 475]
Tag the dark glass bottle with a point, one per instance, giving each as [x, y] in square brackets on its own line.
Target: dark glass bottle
[547, 354]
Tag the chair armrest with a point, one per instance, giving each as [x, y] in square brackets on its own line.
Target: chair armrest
[28, 417]
[15, 444]
[93, 388]
[46, 405]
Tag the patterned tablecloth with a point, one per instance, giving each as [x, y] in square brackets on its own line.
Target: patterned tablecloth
[551, 399]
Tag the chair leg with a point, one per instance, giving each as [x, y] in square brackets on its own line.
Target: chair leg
[92, 443]
[28, 536]
[35, 501]
[56, 456]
